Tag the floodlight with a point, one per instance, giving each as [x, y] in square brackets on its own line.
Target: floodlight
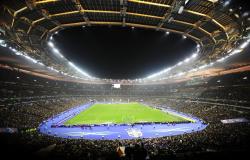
[40, 63]
[194, 55]
[180, 63]
[213, 1]
[187, 60]
[236, 15]
[186, 1]
[244, 45]
[18, 53]
[181, 10]
[70, 63]
[78, 69]
[221, 59]
[245, 14]
[56, 50]
[211, 64]
[180, 74]
[50, 44]
[236, 51]
[226, 3]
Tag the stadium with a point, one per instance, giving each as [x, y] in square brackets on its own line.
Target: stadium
[124, 79]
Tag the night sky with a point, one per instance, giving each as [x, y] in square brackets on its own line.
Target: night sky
[122, 53]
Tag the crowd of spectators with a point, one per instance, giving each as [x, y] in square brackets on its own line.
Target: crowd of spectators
[211, 103]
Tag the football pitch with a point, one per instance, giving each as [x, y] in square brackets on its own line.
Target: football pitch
[122, 114]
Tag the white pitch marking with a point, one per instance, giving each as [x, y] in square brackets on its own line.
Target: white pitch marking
[134, 132]
[171, 130]
[90, 133]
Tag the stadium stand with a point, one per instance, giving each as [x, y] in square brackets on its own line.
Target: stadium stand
[38, 82]
[25, 106]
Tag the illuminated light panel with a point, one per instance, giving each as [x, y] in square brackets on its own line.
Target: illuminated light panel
[45, 1]
[149, 3]
[51, 44]
[213, 1]
[78, 69]
[56, 51]
[19, 53]
[226, 3]
[193, 56]
[220, 60]
[2, 43]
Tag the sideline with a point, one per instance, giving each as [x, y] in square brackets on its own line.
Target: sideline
[113, 132]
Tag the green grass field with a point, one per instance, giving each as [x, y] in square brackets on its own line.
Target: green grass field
[121, 113]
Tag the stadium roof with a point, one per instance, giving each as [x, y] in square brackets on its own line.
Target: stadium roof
[29, 25]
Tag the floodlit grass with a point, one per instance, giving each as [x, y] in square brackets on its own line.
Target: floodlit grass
[122, 114]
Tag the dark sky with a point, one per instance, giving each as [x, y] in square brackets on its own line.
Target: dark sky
[244, 4]
[121, 53]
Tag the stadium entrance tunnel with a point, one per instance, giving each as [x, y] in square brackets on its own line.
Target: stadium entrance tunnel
[55, 126]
